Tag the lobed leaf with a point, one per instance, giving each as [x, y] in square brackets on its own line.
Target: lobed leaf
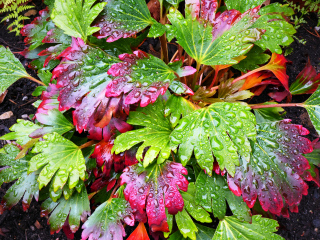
[21, 131]
[123, 19]
[278, 32]
[222, 130]
[149, 191]
[26, 187]
[275, 168]
[220, 44]
[69, 211]
[155, 134]
[312, 105]
[204, 233]
[254, 58]
[53, 121]
[61, 160]
[141, 77]
[177, 107]
[11, 69]
[106, 221]
[82, 79]
[212, 194]
[260, 228]
[37, 30]
[76, 16]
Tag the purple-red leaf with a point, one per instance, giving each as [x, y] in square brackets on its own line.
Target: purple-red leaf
[82, 79]
[274, 173]
[149, 191]
[142, 77]
[49, 100]
[307, 81]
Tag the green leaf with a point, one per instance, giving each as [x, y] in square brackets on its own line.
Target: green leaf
[204, 131]
[155, 134]
[76, 16]
[38, 91]
[157, 30]
[123, 18]
[72, 210]
[62, 160]
[26, 187]
[105, 222]
[204, 233]
[53, 121]
[255, 57]
[21, 131]
[261, 228]
[314, 157]
[177, 107]
[186, 225]
[212, 194]
[123, 45]
[278, 32]
[10, 69]
[242, 5]
[313, 107]
[269, 114]
[277, 8]
[196, 211]
[174, 3]
[45, 76]
[198, 42]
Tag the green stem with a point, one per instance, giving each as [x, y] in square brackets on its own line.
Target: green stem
[36, 80]
[257, 106]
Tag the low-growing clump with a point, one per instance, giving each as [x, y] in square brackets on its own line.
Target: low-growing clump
[121, 136]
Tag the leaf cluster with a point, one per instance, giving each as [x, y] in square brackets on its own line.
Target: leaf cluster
[122, 135]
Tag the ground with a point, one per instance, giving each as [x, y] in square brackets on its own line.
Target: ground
[16, 224]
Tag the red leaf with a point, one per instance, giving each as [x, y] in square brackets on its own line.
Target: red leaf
[82, 81]
[208, 10]
[159, 191]
[275, 169]
[49, 100]
[140, 233]
[255, 80]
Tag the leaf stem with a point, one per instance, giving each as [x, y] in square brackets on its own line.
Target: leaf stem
[257, 106]
[163, 38]
[88, 144]
[36, 80]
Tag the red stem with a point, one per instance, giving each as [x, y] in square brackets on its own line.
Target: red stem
[257, 106]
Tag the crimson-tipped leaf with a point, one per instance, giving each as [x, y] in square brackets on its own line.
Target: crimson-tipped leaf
[149, 191]
[273, 174]
[142, 77]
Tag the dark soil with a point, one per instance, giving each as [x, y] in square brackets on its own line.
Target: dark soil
[16, 224]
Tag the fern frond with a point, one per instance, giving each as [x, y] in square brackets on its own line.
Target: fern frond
[14, 8]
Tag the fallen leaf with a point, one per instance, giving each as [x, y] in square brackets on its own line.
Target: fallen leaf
[37, 225]
[6, 115]
[31, 12]
[2, 96]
